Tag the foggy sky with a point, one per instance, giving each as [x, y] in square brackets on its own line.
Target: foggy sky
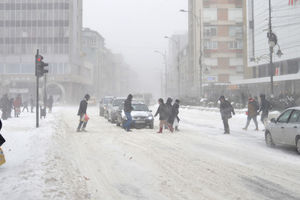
[136, 28]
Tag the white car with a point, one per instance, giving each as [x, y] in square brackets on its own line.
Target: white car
[285, 130]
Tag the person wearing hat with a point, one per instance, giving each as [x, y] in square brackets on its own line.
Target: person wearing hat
[82, 112]
[252, 112]
[127, 110]
[226, 109]
[265, 107]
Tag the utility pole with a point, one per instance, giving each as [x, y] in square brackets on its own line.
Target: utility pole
[271, 48]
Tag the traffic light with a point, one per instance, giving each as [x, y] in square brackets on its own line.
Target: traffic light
[40, 69]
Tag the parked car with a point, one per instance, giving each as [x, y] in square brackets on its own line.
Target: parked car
[103, 105]
[113, 108]
[285, 130]
[141, 116]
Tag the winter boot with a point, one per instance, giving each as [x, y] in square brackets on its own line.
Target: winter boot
[160, 130]
[83, 130]
[245, 128]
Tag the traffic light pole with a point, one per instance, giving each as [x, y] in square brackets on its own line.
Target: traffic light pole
[37, 91]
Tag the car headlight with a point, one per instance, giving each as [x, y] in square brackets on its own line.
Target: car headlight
[150, 117]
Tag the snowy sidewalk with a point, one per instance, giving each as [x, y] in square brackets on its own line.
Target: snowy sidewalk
[35, 167]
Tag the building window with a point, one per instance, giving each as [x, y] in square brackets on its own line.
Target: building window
[237, 44]
[210, 31]
[208, 44]
[236, 31]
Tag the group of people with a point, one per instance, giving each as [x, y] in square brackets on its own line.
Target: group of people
[168, 114]
[8, 105]
[254, 109]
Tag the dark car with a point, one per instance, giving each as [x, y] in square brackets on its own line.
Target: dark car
[141, 116]
[113, 108]
[103, 105]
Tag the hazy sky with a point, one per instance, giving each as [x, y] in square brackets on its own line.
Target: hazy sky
[136, 28]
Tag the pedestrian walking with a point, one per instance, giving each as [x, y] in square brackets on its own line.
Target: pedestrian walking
[2, 141]
[31, 103]
[175, 112]
[25, 106]
[83, 119]
[163, 115]
[17, 105]
[252, 113]
[127, 110]
[10, 107]
[50, 103]
[5, 104]
[226, 109]
[265, 107]
[170, 121]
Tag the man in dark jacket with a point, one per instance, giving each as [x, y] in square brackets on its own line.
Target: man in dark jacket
[5, 104]
[81, 113]
[163, 116]
[127, 110]
[265, 106]
[252, 113]
[226, 109]
[50, 103]
[174, 119]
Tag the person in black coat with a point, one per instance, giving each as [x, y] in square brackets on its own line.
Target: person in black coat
[81, 113]
[265, 107]
[50, 103]
[174, 119]
[5, 105]
[162, 111]
[226, 109]
[127, 110]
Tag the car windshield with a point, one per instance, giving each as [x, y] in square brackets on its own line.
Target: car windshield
[118, 102]
[140, 107]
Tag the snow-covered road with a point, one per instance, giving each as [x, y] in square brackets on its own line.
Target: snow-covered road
[199, 162]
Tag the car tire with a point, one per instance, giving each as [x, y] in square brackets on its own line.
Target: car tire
[269, 139]
[298, 145]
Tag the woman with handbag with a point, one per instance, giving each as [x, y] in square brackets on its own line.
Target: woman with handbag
[83, 118]
[2, 140]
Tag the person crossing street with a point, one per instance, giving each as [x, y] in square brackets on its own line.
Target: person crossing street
[127, 110]
[82, 113]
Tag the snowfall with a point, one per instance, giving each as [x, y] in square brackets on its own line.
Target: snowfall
[107, 163]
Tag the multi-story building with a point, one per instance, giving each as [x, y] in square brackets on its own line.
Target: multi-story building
[175, 66]
[52, 26]
[286, 26]
[93, 49]
[215, 42]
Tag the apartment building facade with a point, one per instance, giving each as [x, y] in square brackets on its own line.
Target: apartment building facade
[216, 42]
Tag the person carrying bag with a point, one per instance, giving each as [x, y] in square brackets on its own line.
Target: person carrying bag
[2, 141]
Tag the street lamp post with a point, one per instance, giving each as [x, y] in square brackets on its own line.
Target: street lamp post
[164, 55]
[176, 42]
[198, 20]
